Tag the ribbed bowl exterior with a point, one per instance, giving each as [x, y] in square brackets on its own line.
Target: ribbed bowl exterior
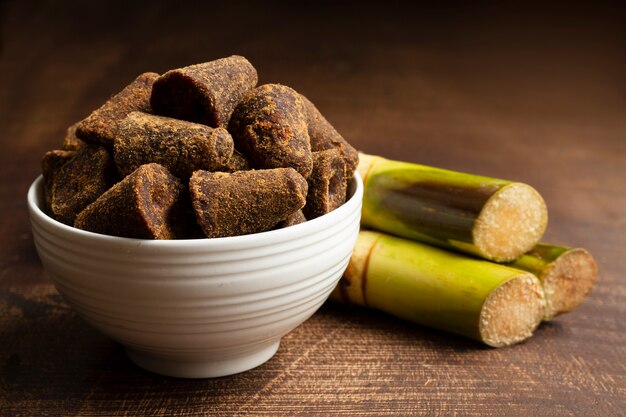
[187, 304]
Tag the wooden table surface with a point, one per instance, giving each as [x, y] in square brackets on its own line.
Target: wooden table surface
[531, 93]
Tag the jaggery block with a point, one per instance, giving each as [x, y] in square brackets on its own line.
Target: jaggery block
[144, 205]
[243, 202]
[237, 162]
[80, 181]
[50, 165]
[269, 127]
[183, 218]
[324, 136]
[204, 93]
[327, 183]
[99, 126]
[71, 141]
[296, 217]
[180, 146]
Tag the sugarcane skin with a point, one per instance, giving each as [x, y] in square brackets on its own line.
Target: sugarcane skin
[539, 258]
[429, 204]
[427, 285]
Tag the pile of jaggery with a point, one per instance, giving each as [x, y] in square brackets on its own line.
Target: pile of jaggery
[199, 151]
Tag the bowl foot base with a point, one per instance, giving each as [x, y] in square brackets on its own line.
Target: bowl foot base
[182, 367]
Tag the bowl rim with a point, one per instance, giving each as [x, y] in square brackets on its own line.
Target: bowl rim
[35, 200]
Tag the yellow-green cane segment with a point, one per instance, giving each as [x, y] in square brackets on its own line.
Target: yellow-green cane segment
[495, 219]
[492, 303]
[566, 274]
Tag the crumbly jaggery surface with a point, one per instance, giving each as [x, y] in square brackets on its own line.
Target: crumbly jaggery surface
[180, 146]
[269, 127]
[204, 93]
[295, 218]
[71, 141]
[99, 126]
[327, 184]
[324, 136]
[50, 165]
[81, 181]
[143, 205]
[237, 162]
[243, 202]
[245, 152]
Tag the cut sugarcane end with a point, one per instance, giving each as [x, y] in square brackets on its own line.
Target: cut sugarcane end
[568, 281]
[512, 311]
[510, 223]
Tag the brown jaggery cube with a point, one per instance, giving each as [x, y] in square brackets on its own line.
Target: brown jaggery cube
[50, 165]
[327, 183]
[99, 126]
[144, 205]
[243, 202]
[183, 218]
[324, 136]
[296, 217]
[80, 181]
[180, 146]
[204, 93]
[71, 141]
[269, 127]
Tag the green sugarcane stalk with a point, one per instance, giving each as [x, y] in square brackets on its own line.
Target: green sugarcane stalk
[495, 219]
[489, 302]
[566, 274]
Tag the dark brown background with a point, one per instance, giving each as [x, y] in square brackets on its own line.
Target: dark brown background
[526, 92]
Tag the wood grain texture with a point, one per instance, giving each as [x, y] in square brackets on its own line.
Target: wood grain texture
[530, 93]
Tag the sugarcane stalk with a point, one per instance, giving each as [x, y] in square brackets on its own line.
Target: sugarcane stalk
[566, 274]
[485, 301]
[492, 218]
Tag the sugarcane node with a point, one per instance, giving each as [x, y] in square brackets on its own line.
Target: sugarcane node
[567, 281]
[353, 283]
[366, 162]
[510, 223]
[492, 303]
[512, 311]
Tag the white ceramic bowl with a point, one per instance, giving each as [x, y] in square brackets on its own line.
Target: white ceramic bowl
[198, 308]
